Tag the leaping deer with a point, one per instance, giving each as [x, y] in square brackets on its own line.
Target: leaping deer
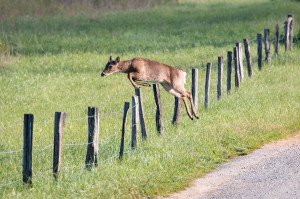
[142, 69]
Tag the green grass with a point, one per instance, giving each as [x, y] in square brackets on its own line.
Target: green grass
[55, 65]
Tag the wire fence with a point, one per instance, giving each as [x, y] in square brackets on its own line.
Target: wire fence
[104, 141]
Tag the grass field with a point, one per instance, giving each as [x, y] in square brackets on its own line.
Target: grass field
[55, 64]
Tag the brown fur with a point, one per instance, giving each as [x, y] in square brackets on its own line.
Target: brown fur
[145, 70]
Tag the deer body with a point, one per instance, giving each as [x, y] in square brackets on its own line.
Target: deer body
[141, 70]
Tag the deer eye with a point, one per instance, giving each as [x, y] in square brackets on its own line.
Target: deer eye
[109, 66]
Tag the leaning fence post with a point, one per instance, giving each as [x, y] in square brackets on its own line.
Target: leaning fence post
[126, 108]
[248, 57]
[27, 148]
[195, 88]
[291, 31]
[93, 128]
[207, 82]
[240, 60]
[220, 73]
[267, 45]
[59, 125]
[229, 70]
[159, 110]
[276, 39]
[135, 121]
[259, 51]
[236, 67]
[177, 110]
[138, 93]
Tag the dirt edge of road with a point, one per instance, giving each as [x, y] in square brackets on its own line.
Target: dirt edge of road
[225, 173]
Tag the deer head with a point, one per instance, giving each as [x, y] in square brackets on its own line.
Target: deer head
[111, 67]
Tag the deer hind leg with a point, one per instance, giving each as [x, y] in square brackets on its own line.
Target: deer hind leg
[189, 95]
[180, 89]
[142, 84]
[170, 90]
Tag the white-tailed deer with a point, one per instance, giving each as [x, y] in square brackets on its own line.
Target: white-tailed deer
[145, 70]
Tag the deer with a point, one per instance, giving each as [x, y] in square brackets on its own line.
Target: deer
[142, 70]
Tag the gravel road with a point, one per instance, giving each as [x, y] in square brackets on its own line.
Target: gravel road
[270, 172]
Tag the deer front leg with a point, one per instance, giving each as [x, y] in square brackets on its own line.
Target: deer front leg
[131, 80]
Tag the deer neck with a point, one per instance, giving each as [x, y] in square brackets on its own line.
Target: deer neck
[123, 66]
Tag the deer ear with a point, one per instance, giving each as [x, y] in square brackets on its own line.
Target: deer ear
[118, 59]
[110, 58]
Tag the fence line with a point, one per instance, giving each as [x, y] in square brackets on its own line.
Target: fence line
[213, 97]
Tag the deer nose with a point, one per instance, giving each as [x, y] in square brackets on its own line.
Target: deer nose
[102, 74]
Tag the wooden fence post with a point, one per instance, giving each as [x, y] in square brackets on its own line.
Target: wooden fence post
[159, 110]
[259, 51]
[229, 71]
[135, 121]
[27, 148]
[276, 39]
[177, 110]
[267, 45]
[220, 74]
[93, 137]
[288, 32]
[138, 93]
[195, 88]
[291, 31]
[236, 68]
[59, 125]
[248, 57]
[207, 82]
[240, 61]
[126, 108]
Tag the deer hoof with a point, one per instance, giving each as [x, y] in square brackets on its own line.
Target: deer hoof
[197, 117]
[192, 118]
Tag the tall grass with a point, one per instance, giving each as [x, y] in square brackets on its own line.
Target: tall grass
[58, 68]
[92, 8]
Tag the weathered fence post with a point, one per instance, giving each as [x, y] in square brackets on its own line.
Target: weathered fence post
[248, 57]
[207, 82]
[59, 125]
[229, 71]
[288, 32]
[138, 92]
[236, 67]
[291, 31]
[93, 137]
[135, 121]
[259, 51]
[27, 148]
[220, 74]
[276, 39]
[159, 110]
[177, 110]
[240, 60]
[195, 88]
[126, 108]
[267, 45]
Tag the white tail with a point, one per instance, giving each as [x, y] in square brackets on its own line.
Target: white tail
[144, 70]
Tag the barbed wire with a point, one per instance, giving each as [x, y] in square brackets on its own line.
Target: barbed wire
[10, 183]
[9, 152]
[16, 124]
